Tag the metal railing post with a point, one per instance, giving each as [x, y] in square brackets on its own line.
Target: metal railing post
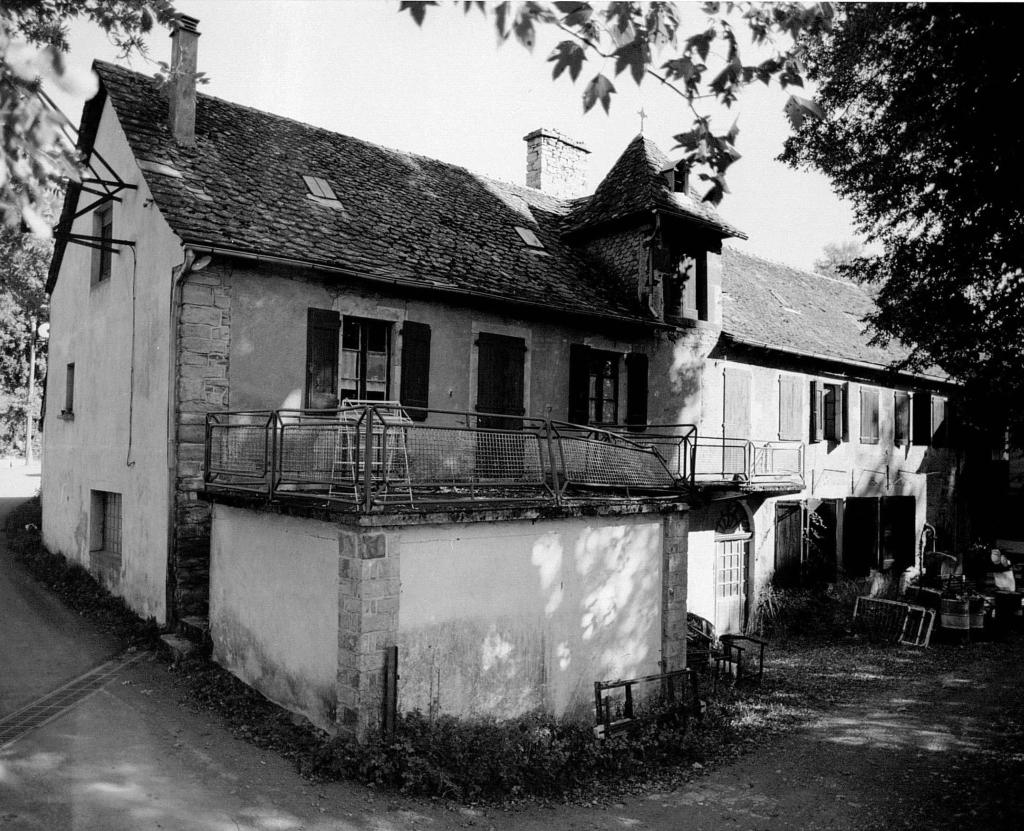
[368, 462]
[548, 428]
[273, 469]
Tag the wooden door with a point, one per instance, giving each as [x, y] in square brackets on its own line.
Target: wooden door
[860, 535]
[731, 556]
[789, 530]
[499, 385]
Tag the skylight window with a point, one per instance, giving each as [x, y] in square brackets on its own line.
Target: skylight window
[319, 187]
[529, 237]
[320, 192]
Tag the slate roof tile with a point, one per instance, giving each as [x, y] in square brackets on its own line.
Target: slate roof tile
[769, 303]
[636, 185]
[404, 216]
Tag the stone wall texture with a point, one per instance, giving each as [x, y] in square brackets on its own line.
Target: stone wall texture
[368, 597]
[202, 386]
[556, 164]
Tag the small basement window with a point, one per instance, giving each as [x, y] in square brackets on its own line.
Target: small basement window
[529, 237]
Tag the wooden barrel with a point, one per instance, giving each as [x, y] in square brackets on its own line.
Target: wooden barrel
[977, 613]
[956, 615]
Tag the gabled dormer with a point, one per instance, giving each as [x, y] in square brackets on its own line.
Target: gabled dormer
[647, 229]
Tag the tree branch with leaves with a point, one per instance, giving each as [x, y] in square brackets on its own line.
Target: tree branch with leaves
[647, 41]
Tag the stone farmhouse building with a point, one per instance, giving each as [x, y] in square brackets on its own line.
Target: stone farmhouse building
[605, 417]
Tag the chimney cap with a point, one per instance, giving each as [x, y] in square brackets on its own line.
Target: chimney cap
[186, 23]
[550, 132]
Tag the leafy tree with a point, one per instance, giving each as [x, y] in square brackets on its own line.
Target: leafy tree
[703, 65]
[838, 258]
[24, 261]
[918, 136]
[36, 156]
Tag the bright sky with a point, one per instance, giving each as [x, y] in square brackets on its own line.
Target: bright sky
[448, 91]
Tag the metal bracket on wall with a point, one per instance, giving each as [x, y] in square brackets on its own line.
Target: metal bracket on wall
[92, 241]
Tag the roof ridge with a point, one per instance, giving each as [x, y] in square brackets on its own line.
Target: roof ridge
[804, 271]
[305, 124]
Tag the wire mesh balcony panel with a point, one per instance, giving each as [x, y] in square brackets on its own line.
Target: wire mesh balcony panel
[601, 459]
[370, 455]
[718, 459]
[238, 450]
[781, 462]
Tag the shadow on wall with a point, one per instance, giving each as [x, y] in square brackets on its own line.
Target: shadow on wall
[540, 621]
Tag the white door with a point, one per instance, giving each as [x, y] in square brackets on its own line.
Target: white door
[731, 584]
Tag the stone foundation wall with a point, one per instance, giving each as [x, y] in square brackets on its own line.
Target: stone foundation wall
[202, 386]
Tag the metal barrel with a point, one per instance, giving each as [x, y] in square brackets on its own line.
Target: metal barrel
[956, 615]
[977, 612]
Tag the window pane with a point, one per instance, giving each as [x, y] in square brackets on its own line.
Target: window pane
[350, 333]
[376, 367]
[377, 336]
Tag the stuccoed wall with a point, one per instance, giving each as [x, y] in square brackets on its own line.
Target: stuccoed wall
[117, 440]
[501, 619]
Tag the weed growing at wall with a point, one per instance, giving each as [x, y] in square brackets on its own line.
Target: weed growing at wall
[72, 583]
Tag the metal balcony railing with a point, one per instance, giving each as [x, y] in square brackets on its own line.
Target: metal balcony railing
[372, 455]
[748, 463]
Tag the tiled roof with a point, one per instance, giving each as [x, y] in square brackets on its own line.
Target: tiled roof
[402, 217]
[781, 307]
[636, 185]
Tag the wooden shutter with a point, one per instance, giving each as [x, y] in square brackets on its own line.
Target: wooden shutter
[868, 416]
[901, 412]
[415, 368]
[938, 421]
[790, 408]
[789, 527]
[817, 411]
[500, 366]
[736, 404]
[636, 391]
[579, 383]
[322, 331]
[921, 418]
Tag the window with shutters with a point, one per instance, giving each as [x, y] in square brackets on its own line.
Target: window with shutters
[593, 385]
[834, 406]
[322, 327]
[790, 408]
[415, 369]
[901, 417]
[868, 415]
[500, 381]
[364, 373]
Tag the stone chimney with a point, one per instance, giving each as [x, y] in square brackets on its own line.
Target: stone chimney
[555, 163]
[181, 89]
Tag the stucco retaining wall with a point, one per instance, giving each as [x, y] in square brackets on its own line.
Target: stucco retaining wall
[492, 618]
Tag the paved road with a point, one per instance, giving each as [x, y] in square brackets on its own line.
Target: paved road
[42, 644]
[939, 751]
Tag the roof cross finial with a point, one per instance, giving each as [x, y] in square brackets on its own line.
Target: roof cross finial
[643, 118]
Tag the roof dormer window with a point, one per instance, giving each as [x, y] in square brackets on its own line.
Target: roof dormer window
[320, 191]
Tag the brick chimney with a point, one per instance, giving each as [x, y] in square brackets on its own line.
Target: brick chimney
[181, 90]
[555, 163]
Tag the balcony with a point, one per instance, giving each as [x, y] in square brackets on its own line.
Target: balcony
[748, 465]
[372, 456]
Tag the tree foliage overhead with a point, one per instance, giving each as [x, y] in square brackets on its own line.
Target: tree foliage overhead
[709, 62]
[35, 156]
[919, 135]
